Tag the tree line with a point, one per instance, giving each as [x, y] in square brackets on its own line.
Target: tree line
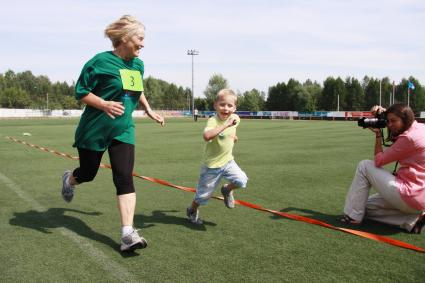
[24, 90]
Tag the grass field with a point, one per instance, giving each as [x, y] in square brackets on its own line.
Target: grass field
[301, 167]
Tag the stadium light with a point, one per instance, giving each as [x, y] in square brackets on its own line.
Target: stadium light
[193, 52]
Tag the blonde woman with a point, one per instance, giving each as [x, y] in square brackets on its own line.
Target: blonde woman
[111, 86]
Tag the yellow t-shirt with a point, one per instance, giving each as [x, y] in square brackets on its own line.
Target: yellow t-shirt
[218, 151]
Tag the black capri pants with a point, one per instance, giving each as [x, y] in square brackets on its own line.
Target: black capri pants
[121, 156]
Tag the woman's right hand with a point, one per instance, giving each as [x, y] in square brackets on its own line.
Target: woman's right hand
[377, 131]
[113, 108]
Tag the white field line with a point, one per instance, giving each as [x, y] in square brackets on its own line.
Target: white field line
[111, 267]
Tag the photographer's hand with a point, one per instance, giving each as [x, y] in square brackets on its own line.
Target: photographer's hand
[377, 131]
[377, 110]
[378, 140]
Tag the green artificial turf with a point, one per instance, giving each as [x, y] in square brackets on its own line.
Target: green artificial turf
[299, 167]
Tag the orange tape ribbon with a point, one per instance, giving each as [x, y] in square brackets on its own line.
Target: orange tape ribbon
[296, 217]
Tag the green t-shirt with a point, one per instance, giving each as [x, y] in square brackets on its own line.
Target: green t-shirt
[219, 150]
[105, 75]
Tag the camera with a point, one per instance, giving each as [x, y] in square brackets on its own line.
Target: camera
[379, 122]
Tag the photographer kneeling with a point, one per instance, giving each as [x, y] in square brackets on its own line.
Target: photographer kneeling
[400, 199]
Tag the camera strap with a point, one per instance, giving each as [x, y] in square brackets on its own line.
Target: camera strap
[395, 169]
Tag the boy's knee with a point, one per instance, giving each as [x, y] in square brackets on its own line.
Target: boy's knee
[241, 181]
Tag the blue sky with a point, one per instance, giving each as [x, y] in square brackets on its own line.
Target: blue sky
[252, 43]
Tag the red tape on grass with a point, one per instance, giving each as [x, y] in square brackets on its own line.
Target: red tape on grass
[296, 217]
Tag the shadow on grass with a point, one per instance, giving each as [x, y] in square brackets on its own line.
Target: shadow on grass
[161, 217]
[56, 218]
[367, 225]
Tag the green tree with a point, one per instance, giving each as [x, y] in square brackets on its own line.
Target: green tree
[355, 94]
[153, 92]
[201, 103]
[252, 100]
[313, 90]
[216, 83]
[371, 90]
[416, 97]
[296, 96]
[277, 97]
[163, 95]
[14, 98]
[333, 90]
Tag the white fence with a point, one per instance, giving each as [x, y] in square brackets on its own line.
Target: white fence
[30, 113]
[22, 113]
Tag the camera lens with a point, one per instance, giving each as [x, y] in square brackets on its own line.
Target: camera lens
[372, 122]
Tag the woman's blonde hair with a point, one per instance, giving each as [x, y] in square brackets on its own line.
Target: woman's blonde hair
[126, 26]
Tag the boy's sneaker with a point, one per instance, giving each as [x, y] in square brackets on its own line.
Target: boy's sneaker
[193, 216]
[67, 189]
[229, 201]
[132, 242]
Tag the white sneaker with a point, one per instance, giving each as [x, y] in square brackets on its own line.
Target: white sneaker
[67, 189]
[132, 242]
[229, 201]
[193, 216]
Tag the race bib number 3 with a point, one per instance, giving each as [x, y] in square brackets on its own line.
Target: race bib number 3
[131, 80]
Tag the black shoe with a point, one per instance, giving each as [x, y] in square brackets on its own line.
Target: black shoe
[193, 216]
[417, 229]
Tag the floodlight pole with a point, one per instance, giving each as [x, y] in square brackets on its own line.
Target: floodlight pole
[392, 102]
[408, 96]
[337, 109]
[193, 52]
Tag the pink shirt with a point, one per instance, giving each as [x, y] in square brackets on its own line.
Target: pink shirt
[409, 151]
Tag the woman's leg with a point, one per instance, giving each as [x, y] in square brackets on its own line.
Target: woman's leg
[378, 209]
[358, 203]
[122, 162]
[89, 165]
[126, 206]
[367, 175]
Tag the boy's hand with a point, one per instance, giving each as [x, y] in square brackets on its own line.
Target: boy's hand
[231, 122]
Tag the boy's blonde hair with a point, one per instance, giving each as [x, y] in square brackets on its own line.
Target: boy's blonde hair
[225, 92]
[126, 26]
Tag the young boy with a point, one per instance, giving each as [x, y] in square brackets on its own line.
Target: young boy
[220, 135]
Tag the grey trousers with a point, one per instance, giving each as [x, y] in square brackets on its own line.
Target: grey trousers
[386, 206]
